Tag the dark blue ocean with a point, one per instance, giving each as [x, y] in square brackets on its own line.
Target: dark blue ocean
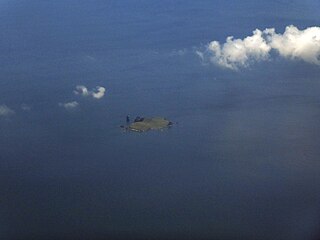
[241, 162]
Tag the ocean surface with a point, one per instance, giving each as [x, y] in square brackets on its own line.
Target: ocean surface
[241, 162]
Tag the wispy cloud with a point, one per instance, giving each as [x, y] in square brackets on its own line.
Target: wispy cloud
[5, 111]
[96, 93]
[25, 107]
[179, 52]
[200, 55]
[69, 105]
[292, 44]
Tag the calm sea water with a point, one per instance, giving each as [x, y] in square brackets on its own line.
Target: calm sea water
[242, 162]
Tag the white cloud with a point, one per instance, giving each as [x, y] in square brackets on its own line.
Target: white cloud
[297, 44]
[200, 55]
[237, 52]
[69, 105]
[292, 44]
[5, 111]
[81, 90]
[96, 93]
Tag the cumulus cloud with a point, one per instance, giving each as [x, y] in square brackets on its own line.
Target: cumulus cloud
[297, 44]
[96, 93]
[292, 44]
[69, 105]
[5, 111]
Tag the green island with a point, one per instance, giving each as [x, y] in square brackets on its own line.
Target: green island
[146, 124]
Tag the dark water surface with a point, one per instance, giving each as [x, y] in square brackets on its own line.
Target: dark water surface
[242, 162]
